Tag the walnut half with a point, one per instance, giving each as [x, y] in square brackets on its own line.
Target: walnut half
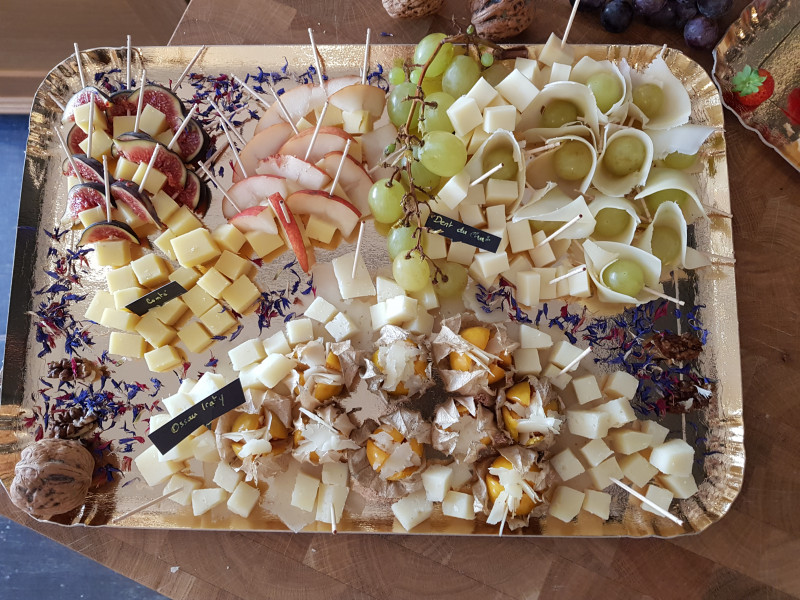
[411, 9]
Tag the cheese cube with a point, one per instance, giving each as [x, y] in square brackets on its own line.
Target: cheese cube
[525, 66]
[658, 496]
[387, 288]
[164, 205]
[627, 441]
[350, 287]
[92, 215]
[518, 90]
[169, 312]
[556, 377]
[590, 424]
[152, 121]
[320, 229]
[199, 301]
[124, 297]
[528, 287]
[526, 361]
[461, 253]
[263, 243]
[434, 245]
[542, 253]
[341, 327]
[119, 319]
[152, 469]
[566, 464]
[116, 253]
[658, 433]
[164, 243]
[277, 344]
[194, 336]
[596, 452]
[496, 216]
[454, 190]
[182, 451]
[426, 297]
[465, 115]
[331, 496]
[619, 412]
[304, 493]
[674, 457]
[101, 144]
[519, 236]
[227, 477]
[620, 384]
[601, 474]
[208, 384]
[186, 276]
[501, 191]
[491, 264]
[682, 487]
[177, 403]
[547, 290]
[437, 206]
[247, 353]
[560, 72]
[400, 309]
[476, 274]
[412, 510]
[248, 378]
[436, 481]
[335, 473]
[183, 221]
[531, 337]
[206, 499]
[566, 503]
[483, 93]
[228, 238]
[299, 331]
[82, 114]
[155, 178]
[162, 359]
[232, 265]
[126, 344]
[154, 331]
[472, 215]
[241, 294]
[554, 51]
[125, 168]
[636, 468]
[213, 282]
[218, 320]
[125, 214]
[499, 117]
[205, 447]
[274, 368]
[187, 385]
[564, 353]
[421, 324]
[579, 285]
[356, 122]
[150, 270]
[186, 484]
[597, 503]
[458, 505]
[195, 247]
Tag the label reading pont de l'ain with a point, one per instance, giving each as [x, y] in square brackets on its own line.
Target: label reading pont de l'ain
[461, 232]
[156, 298]
[169, 435]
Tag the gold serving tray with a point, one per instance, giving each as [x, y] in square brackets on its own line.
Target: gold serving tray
[720, 461]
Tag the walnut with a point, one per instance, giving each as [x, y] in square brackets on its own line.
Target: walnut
[501, 19]
[411, 9]
[670, 346]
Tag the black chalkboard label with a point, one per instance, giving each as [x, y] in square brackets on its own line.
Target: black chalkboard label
[156, 298]
[169, 435]
[460, 232]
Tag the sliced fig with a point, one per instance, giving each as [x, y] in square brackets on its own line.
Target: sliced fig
[192, 195]
[82, 197]
[161, 99]
[108, 231]
[139, 148]
[127, 193]
[121, 104]
[75, 136]
[192, 142]
[90, 169]
[85, 96]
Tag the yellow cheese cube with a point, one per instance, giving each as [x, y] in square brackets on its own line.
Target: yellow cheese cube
[320, 230]
[162, 359]
[120, 279]
[154, 331]
[198, 300]
[124, 297]
[152, 120]
[170, 312]
[119, 319]
[232, 265]
[186, 276]
[195, 337]
[116, 253]
[165, 137]
[218, 320]
[101, 301]
[155, 179]
[195, 247]
[101, 144]
[164, 243]
[125, 168]
[125, 214]
[131, 345]
[164, 205]
[263, 243]
[123, 124]
[228, 237]
[82, 113]
[501, 191]
[151, 270]
[241, 294]
[213, 282]
[92, 215]
[182, 221]
[357, 121]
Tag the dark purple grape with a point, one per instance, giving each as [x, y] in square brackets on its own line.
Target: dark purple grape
[616, 16]
[684, 10]
[587, 5]
[663, 18]
[714, 9]
[648, 7]
[701, 32]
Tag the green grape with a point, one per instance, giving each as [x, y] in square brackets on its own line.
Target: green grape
[431, 85]
[606, 89]
[400, 241]
[487, 59]
[676, 160]
[460, 75]
[412, 273]
[624, 155]
[649, 98]
[386, 200]
[435, 118]
[456, 280]
[442, 153]
[558, 113]
[397, 62]
[422, 177]
[383, 228]
[665, 244]
[471, 29]
[656, 199]
[397, 75]
[398, 107]
[496, 73]
[389, 149]
[624, 277]
[611, 222]
[573, 160]
[425, 49]
[501, 155]
[415, 74]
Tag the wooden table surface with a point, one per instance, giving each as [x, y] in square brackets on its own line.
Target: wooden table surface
[751, 553]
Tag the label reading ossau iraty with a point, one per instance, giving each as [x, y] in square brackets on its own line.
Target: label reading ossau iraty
[461, 232]
[169, 435]
[156, 298]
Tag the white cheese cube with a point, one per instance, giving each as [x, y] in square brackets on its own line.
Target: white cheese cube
[465, 115]
[400, 309]
[553, 52]
[491, 264]
[681, 486]
[438, 206]
[158, 420]
[619, 412]
[516, 266]
[602, 473]
[496, 216]
[304, 494]
[556, 377]
[482, 92]
[331, 495]
[579, 285]
[320, 310]
[342, 327]
[177, 403]
[247, 353]
[658, 433]
[426, 298]
[620, 384]
[435, 245]
[499, 117]
[658, 496]
[461, 253]
[436, 480]
[518, 90]
[274, 368]
[527, 362]
[378, 315]
[205, 447]
[501, 191]
[277, 344]
[586, 388]
[476, 274]
[462, 474]
[563, 353]
[335, 473]
[412, 510]
[299, 331]
[560, 72]
[454, 190]
[459, 505]
[349, 286]
[531, 337]
[566, 503]
[387, 288]
[627, 441]
[472, 215]
[208, 384]
[529, 287]
[590, 424]
[674, 457]
[243, 500]
[597, 503]
[526, 66]
[183, 450]
[476, 141]
[248, 377]
[153, 469]
[206, 499]
[566, 464]
[227, 477]
[186, 484]
[422, 324]
[636, 468]
[562, 286]
[186, 385]
[596, 452]
[519, 236]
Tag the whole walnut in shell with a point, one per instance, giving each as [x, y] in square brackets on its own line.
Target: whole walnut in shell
[501, 19]
[411, 9]
[52, 477]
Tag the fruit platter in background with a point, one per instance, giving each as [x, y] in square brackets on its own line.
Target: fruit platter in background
[756, 69]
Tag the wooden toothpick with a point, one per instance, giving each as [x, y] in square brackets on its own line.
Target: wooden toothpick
[108, 188]
[150, 164]
[716, 211]
[486, 175]
[90, 132]
[80, 65]
[574, 271]
[233, 149]
[575, 360]
[366, 59]
[646, 210]
[650, 503]
[540, 149]
[333, 519]
[68, 153]
[252, 92]
[182, 127]
[569, 23]
[558, 231]
[316, 58]
[177, 84]
[227, 122]
[57, 101]
[339, 168]
[140, 104]
[663, 295]
[213, 180]
[128, 65]
[358, 249]
[726, 260]
[316, 130]
[282, 106]
[146, 505]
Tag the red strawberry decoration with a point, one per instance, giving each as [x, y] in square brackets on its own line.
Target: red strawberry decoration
[753, 86]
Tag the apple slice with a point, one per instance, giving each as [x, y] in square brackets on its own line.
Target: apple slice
[263, 144]
[254, 191]
[306, 175]
[332, 209]
[255, 218]
[355, 181]
[329, 139]
[360, 97]
[293, 229]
